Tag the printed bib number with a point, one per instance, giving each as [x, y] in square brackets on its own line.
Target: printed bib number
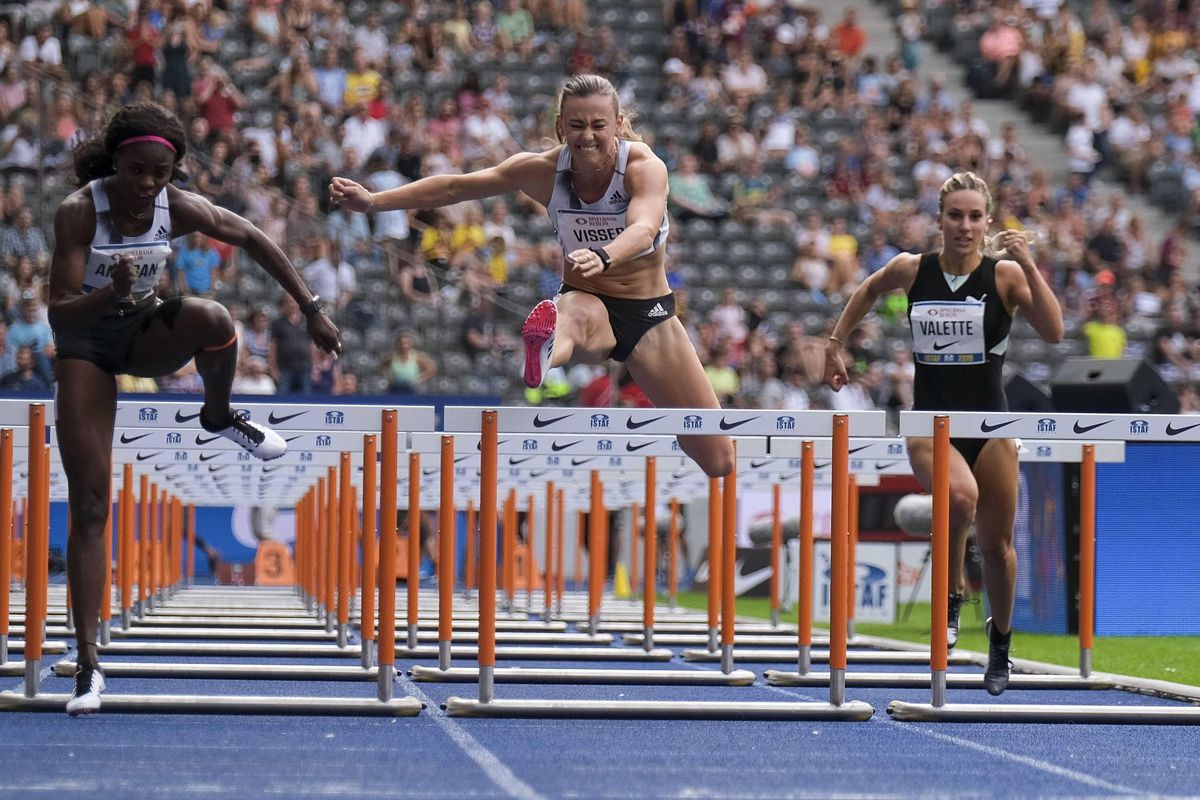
[948, 332]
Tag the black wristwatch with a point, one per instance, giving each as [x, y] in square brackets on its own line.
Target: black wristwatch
[604, 257]
[312, 306]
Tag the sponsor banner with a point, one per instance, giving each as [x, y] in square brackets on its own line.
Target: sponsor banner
[1058, 425]
[875, 590]
[585, 444]
[665, 421]
[912, 572]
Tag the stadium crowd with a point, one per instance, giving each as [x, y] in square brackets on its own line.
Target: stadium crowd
[798, 164]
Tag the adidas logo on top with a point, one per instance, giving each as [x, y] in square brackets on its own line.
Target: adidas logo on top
[657, 311]
[161, 234]
[617, 197]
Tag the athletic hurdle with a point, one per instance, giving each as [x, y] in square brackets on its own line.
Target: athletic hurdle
[658, 421]
[1044, 451]
[1086, 429]
[567, 461]
[149, 415]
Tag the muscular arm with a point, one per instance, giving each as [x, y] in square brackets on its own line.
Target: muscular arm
[74, 227]
[531, 173]
[1028, 292]
[191, 212]
[899, 273]
[646, 180]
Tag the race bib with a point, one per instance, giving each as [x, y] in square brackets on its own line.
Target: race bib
[948, 332]
[586, 229]
[148, 261]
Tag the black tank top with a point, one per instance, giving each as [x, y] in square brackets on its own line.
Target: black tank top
[954, 335]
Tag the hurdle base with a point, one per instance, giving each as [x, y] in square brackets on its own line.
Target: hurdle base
[595, 677]
[822, 656]
[249, 672]
[48, 648]
[429, 652]
[266, 649]
[217, 704]
[920, 680]
[655, 709]
[1068, 714]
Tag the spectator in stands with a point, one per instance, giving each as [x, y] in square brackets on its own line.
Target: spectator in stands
[326, 376]
[197, 266]
[848, 36]
[42, 51]
[408, 369]
[1103, 331]
[514, 28]
[729, 317]
[255, 338]
[291, 357]
[691, 194]
[23, 240]
[331, 82]
[479, 328]
[1000, 45]
[362, 81]
[255, 378]
[8, 353]
[737, 146]
[757, 200]
[26, 378]
[329, 275]
[216, 98]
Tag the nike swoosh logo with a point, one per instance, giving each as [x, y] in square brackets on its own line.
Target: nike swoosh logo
[860, 447]
[817, 466]
[680, 474]
[791, 476]
[461, 458]
[757, 464]
[538, 474]
[141, 457]
[513, 461]
[575, 462]
[218, 467]
[885, 464]
[479, 444]
[181, 417]
[274, 420]
[291, 438]
[630, 447]
[208, 456]
[538, 422]
[633, 426]
[1173, 431]
[1085, 428]
[939, 346]
[987, 428]
[743, 581]
[201, 440]
[430, 471]
[728, 426]
[556, 447]
[273, 469]
[127, 439]
[161, 467]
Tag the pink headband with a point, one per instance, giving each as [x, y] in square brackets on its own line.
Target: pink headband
[136, 139]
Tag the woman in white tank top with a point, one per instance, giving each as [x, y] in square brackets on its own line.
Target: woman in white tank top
[110, 238]
[607, 196]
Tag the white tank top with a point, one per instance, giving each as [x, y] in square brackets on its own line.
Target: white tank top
[578, 224]
[150, 259]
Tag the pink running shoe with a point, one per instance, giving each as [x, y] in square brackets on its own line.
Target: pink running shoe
[538, 333]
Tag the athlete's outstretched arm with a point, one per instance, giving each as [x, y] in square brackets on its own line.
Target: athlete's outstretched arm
[527, 172]
[195, 213]
[899, 273]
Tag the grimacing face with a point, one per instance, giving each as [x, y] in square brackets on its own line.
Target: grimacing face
[590, 127]
[143, 170]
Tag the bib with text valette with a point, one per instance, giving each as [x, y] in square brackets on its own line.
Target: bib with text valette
[948, 332]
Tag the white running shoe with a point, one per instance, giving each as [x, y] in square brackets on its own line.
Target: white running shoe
[89, 684]
[257, 440]
[538, 333]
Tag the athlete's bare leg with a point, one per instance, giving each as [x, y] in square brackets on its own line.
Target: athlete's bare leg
[964, 497]
[997, 471]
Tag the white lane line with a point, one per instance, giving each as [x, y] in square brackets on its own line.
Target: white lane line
[1035, 763]
[495, 770]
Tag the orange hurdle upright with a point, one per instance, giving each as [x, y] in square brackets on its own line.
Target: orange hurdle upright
[487, 555]
[839, 533]
[714, 562]
[547, 571]
[366, 617]
[728, 565]
[804, 609]
[558, 552]
[650, 573]
[36, 549]
[445, 566]
[940, 587]
[776, 546]
[388, 478]
[412, 583]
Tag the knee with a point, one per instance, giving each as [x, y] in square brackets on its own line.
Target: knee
[962, 506]
[719, 462]
[89, 512]
[218, 325]
[993, 550]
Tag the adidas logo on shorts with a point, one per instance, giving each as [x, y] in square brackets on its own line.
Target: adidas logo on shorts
[657, 311]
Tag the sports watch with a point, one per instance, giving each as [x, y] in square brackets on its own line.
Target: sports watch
[312, 306]
[604, 257]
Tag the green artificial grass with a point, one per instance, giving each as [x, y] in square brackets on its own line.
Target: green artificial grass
[1167, 658]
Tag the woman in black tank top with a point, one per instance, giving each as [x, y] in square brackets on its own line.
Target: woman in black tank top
[961, 304]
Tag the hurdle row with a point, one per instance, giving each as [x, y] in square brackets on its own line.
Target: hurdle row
[935, 627]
